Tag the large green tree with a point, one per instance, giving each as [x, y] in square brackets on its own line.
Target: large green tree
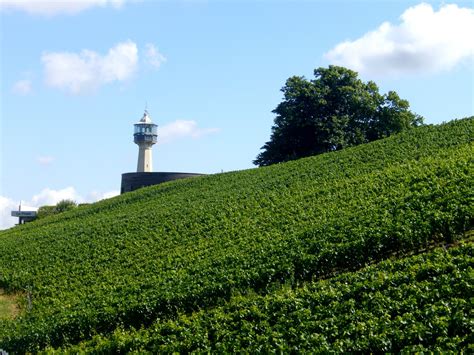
[334, 111]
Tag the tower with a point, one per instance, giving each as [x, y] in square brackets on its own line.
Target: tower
[145, 136]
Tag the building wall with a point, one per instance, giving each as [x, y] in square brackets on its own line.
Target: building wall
[144, 159]
[134, 181]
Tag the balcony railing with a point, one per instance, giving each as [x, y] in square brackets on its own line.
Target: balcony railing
[148, 137]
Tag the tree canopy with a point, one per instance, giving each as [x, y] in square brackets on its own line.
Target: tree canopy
[61, 206]
[334, 111]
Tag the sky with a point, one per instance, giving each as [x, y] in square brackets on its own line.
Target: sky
[76, 75]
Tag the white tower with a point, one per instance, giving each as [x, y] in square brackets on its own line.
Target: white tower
[145, 136]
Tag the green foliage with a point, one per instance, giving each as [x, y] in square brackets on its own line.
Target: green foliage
[413, 304]
[61, 206]
[157, 254]
[45, 211]
[65, 205]
[334, 111]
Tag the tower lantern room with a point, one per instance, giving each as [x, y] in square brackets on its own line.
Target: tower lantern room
[145, 136]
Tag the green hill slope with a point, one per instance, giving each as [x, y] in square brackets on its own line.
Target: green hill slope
[167, 251]
[412, 304]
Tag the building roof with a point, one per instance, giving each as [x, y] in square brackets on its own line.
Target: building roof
[146, 118]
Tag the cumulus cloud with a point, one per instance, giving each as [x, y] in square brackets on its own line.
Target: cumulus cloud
[51, 197]
[56, 7]
[153, 56]
[426, 41]
[22, 87]
[182, 129]
[97, 195]
[46, 197]
[85, 71]
[6, 206]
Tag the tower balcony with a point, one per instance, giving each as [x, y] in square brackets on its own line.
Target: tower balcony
[145, 133]
[145, 138]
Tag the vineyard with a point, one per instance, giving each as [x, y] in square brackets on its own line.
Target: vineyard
[365, 249]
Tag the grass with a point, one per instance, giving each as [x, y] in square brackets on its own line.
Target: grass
[9, 308]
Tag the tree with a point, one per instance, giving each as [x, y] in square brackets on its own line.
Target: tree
[65, 205]
[334, 111]
[45, 211]
[61, 206]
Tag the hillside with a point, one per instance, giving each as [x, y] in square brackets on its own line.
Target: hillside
[268, 258]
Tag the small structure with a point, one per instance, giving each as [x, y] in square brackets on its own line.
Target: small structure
[24, 216]
[145, 136]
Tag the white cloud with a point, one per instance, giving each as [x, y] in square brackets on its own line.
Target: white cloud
[22, 87]
[182, 129]
[86, 71]
[45, 160]
[6, 206]
[153, 56]
[51, 197]
[56, 7]
[97, 195]
[426, 41]
[47, 197]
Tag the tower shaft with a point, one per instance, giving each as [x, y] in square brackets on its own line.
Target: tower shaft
[145, 161]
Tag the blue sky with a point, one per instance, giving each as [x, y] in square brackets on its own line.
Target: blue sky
[76, 76]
